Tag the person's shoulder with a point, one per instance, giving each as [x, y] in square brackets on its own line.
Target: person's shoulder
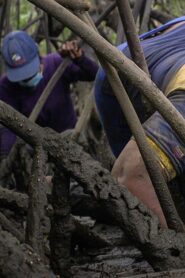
[3, 78]
[5, 87]
[4, 82]
[100, 76]
[51, 61]
[52, 57]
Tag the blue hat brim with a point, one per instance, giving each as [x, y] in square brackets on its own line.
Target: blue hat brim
[21, 73]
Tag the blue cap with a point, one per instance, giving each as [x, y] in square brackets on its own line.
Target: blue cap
[21, 56]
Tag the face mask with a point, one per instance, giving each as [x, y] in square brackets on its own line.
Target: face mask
[32, 82]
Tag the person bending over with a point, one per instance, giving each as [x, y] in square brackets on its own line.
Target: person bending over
[164, 50]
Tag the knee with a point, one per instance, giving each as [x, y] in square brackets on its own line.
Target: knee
[129, 165]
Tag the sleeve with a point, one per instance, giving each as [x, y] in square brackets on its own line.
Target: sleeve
[7, 137]
[82, 69]
[7, 140]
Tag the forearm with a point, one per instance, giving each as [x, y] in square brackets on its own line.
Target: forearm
[7, 139]
[87, 68]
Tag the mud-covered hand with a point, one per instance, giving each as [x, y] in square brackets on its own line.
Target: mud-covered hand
[71, 49]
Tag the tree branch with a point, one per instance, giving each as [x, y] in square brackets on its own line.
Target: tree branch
[116, 58]
[82, 5]
[13, 255]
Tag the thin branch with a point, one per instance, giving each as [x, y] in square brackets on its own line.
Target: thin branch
[115, 57]
[6, 165]
[48, 90]
[18, 13]
[20, 260]
[161, 16]
[33, 21]
[131, 34]
[34, 235]
[16, 201]
[137, 8]
[46, 33]
[146, 16]
[84, 117]
[8, 226]
[77, 5]
[120, 32]
[7, 16]
[105, 13]
[61, 224]
[133, 217]
[148, 155]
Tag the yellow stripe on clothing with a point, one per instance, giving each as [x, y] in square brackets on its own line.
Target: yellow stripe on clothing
[177, 82]
[166, 164]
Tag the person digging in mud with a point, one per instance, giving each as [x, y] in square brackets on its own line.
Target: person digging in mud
[27, 75]
[164, 50]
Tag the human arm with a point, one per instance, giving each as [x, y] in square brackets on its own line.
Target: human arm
[82, 68]
[129, 170]
[7, 137]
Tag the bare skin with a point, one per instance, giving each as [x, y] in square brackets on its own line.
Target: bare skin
[71, 49]
[130, 171]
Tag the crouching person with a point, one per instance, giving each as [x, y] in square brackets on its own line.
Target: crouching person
[164, 52]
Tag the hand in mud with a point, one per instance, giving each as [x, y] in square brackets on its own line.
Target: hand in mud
[71, 49]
